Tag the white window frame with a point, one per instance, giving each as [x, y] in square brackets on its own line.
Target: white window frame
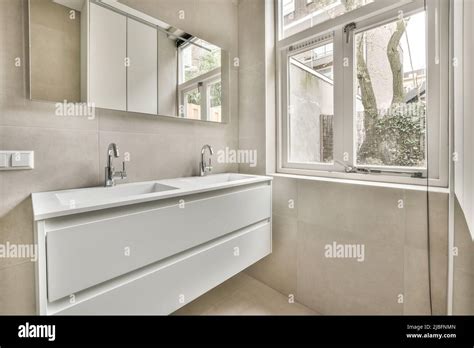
[201, 83]
[369, 16]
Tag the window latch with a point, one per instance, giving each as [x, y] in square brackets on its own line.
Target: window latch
[348, 29]
[353, 169]
[347, 168]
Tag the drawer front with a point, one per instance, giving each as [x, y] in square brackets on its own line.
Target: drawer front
[85, 254]
[167, 289]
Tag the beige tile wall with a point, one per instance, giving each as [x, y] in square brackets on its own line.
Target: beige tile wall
[463, 301]
[55, 51]
[70, 151]
[252, 82]
[394, 240]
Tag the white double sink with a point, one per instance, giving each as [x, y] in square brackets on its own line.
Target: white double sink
[67, 202]
[147, 247]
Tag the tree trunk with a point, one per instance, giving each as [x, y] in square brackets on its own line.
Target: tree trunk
[369, 146]
[396, 63]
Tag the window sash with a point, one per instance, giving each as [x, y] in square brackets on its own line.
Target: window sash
[437, 139]
[201, 83]
[337, 119]
[378, 6]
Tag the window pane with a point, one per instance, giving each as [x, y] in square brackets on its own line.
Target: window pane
[215, 101]
[192, 104]
[311, 107]
[197, 61]
[391, 95]
[298, 15]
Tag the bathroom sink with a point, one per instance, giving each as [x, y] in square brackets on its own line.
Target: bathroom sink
[59, 203]
[94, 194]
[216, 179]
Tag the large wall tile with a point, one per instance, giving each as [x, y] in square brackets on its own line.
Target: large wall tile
[12, 34]
[285, 197]
[416, 292]
[344, 285]
[17, 289]
[251, 33]
[464, 261]
[439, 281]
[252, 101]
[279, 269]
[416, 219]
[16, 228]
[463, 288]
[26, 113]
[358, 212]
[253, 144]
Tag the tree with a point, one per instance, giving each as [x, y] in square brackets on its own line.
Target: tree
[397, 137]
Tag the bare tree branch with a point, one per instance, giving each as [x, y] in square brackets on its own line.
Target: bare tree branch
[396, 64]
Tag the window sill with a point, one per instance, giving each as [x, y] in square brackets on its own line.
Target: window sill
[365, 182]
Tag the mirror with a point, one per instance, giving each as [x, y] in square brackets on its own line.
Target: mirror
[120, 55]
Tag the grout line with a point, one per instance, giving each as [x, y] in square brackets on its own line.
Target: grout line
[15, 265]
[52, 128]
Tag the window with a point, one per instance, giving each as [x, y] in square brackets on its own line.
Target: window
[390, 115]
[311, 96]
[215, 101]
[199, 86]
[198, 58]
[192, 104]
[298, 15]
[288, 7]
[364, 99]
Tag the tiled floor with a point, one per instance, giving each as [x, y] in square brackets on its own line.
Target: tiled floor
[243, 295]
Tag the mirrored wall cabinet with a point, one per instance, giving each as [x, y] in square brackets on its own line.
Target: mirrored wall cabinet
[115, 57]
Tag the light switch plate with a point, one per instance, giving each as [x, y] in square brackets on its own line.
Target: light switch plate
[16, 160]
[20, 159]
[3, 160]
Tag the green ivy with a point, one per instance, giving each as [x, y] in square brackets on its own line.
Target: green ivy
[399, 137]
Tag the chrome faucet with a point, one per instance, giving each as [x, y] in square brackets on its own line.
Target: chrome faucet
[110, 173]
[204, 169]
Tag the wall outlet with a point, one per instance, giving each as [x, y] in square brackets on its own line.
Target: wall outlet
[17, 160]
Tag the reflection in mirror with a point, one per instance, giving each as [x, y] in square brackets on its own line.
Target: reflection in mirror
[55, 45]
[113, 56]
[200, 80]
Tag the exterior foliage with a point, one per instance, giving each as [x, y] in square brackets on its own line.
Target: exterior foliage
[398, 137]
[395, 138]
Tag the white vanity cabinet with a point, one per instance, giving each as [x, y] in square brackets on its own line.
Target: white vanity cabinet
[107, 50]
[153, 254]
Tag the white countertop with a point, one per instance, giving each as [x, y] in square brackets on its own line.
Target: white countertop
[52, 204]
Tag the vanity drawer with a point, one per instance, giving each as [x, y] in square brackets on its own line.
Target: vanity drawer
[84, 253]
[167, 288]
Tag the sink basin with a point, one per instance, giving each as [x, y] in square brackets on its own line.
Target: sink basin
[216, 179]
[95, 194]
[47, 205]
